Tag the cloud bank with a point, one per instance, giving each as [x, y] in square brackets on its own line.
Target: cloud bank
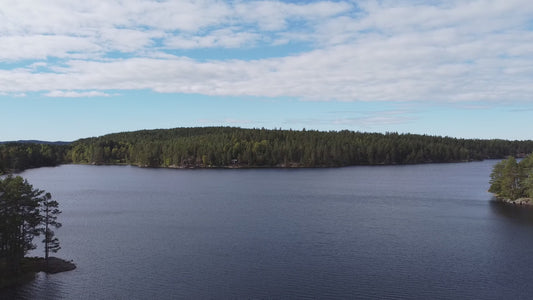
[431, 51]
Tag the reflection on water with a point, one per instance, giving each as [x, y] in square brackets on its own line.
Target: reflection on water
[44, 286]
[522, 214]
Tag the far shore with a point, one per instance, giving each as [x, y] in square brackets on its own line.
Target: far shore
[246, 166]
[242, 166]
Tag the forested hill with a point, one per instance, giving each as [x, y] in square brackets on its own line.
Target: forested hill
[237, 147]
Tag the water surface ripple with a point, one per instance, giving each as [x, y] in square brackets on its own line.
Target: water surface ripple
[388, 232]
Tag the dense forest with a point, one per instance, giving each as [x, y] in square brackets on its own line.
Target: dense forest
[511, 179]
[22, 155]
[237, 147]
[226, 146]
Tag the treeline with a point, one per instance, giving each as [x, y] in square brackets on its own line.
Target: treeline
[21, 156]
[227, 146]
[511, 179]
[237, 147]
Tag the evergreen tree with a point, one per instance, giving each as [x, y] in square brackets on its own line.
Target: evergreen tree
[49, 212]
[20, 219]
[511, 179]
[496, 178]
[25, 212]
[219, 146]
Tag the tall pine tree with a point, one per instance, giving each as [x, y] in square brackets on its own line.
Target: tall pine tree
[49, 213]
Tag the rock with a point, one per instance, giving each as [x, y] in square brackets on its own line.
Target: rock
[57, 265]
[520, 201]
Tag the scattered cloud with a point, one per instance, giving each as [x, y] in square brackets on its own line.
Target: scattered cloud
[223, 38]
[75, 94]
[436, 51]
[14, 95]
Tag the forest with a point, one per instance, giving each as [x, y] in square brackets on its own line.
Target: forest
[20, 156]
[204, 147]
[511, 179]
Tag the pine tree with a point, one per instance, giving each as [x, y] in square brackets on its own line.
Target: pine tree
[49, 212]
[496, 178]
[511, 179]
[19, 219]
[25, 213]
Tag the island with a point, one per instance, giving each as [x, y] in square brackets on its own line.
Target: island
[512, 181]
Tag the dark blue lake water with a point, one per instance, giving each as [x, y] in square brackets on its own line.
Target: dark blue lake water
[423, 231]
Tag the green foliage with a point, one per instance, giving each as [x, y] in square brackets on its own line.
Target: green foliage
[21, 156]
[511, 179]
[237, 147]
[49, 213]
[228, 146]
[25, 213]
[496, 178]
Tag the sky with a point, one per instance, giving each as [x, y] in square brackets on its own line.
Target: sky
[72, 69]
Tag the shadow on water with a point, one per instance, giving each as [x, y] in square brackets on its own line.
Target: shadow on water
[42, 287]
[518, 213]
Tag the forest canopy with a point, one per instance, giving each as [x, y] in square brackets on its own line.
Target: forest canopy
[228, 146]
[238, 147]
[20, 156]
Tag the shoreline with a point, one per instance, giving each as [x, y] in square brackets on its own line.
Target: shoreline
[516, 202]
[238, 166]
[243, 166]
[33, 265]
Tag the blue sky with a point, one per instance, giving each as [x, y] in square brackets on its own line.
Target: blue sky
[74, 69]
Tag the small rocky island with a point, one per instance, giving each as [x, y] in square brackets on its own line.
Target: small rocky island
[512, 181]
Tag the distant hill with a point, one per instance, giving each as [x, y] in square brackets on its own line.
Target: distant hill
[37, 142]
[232, 147]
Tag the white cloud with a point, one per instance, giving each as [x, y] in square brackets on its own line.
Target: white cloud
[127, 40]
[14, 95]
[223, 38]
[75, 94]
[137, 25]
[45, 46]
[274, 15]
[365, 51]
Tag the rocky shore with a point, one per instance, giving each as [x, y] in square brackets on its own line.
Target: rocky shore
[519, 201]
[54, 265]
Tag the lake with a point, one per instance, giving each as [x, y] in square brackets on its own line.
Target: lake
[418, 231]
